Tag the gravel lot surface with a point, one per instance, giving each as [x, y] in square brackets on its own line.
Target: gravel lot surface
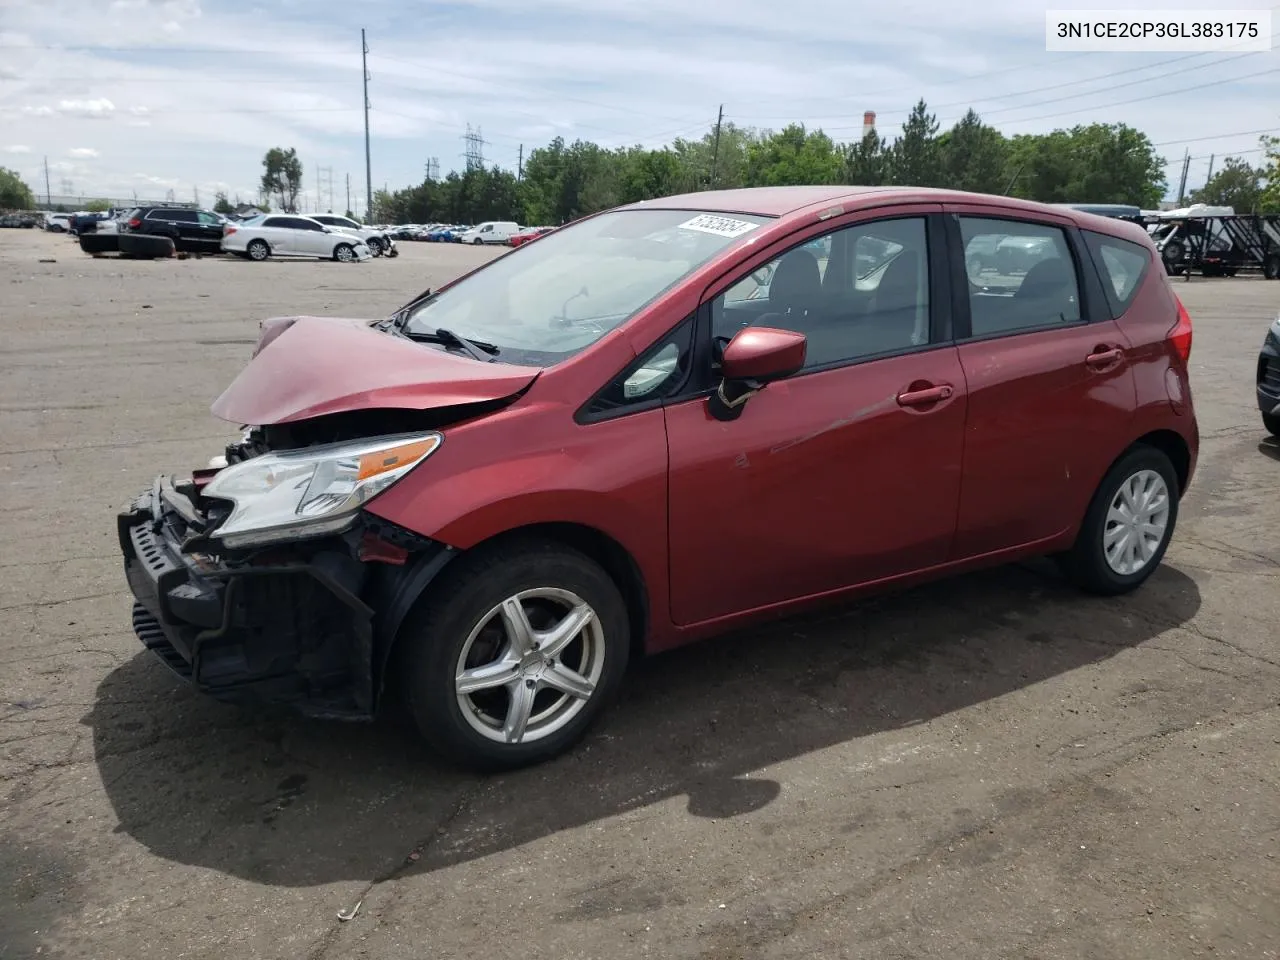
[990, 767]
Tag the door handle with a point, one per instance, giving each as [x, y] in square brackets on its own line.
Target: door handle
[1103, 357]
[919, 398]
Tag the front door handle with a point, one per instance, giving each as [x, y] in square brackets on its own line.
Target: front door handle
[1103, 357]
[925, 395]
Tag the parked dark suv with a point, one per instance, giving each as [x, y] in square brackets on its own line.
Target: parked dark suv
[191, 230]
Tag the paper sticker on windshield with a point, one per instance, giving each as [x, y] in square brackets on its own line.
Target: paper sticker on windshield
[720, 226]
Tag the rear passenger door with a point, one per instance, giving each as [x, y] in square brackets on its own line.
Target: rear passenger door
[281, 235]
[209, 229]
[1050, 386]
[310, 238]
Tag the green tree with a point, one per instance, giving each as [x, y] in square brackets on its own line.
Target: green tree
[794, 156]
[14, 193]
[1236, 185]
[98, 206]
[1097, 163]
[915, 157]
[1269, 198]
[282, 177]
[221, 204]
[350, 215]
[867, 162]
[972, 156]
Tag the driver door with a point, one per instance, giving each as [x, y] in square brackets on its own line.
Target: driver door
[846, 473]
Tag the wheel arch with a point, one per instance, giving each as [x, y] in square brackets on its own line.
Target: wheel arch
[1174, 446]
[419, 581]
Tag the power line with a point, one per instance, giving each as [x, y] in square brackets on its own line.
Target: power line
[1056, 86]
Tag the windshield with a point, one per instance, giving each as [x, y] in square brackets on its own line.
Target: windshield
[548, 300]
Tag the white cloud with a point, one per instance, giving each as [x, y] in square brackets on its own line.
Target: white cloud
[17, 148]
[82, 153]
[613, 71]
[99, 109]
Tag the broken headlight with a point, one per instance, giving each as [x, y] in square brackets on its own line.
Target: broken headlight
[311, 492]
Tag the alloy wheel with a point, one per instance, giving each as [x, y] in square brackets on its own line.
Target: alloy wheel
[531, 665]
[1137, 522]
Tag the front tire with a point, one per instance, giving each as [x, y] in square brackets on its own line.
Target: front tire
[1128, 525]
[478, 242]
[344, 253]
[375, 246]
[1272, 423]
[514, 654]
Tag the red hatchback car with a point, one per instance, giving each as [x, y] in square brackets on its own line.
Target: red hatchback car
[653, 425]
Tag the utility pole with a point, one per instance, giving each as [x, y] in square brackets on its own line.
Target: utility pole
[715, 150]
[1182, 186]
[520, 164]
[348, 206]
[196, 192]
[48, 191]
[368, 167]
[1209, 175]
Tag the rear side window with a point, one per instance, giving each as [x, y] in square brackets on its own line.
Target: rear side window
[1123, 266]
[277, 222]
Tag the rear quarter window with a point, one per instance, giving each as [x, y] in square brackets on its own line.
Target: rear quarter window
[1122, 265]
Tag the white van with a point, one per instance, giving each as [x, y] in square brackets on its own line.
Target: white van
[491, 231]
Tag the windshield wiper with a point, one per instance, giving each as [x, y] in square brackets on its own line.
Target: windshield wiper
[477, 348]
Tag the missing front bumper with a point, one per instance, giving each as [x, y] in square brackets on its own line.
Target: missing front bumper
[294, 631]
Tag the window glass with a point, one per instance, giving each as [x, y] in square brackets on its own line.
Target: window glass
[1123, 265]
[209, 219]
[283, 222]
[1021, 276]
[575, 285]
[657, 374]
[302, 223]
[855, 293]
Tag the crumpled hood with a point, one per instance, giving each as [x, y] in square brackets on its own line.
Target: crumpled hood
[312, 366]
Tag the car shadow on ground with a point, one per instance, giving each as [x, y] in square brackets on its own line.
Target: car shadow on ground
[276, 799]
[1270, 447]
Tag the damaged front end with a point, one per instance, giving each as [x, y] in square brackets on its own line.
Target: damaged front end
[262, 579]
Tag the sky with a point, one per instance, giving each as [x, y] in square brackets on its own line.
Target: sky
[142, 97]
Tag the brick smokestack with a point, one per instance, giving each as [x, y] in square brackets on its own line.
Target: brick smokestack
[868, 122]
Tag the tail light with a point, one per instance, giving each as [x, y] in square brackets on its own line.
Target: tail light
[1180, 334]
[135, 223]
[228, 230]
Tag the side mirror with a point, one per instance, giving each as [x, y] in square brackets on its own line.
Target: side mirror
[754, 358]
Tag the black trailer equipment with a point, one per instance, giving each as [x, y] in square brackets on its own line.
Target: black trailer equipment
[1219, 246]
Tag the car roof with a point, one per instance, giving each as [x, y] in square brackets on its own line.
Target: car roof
[784, 202]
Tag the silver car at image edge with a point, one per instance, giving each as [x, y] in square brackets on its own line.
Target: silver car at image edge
[291, 235]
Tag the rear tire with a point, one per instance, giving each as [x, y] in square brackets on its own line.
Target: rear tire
[1271, 267]
[258, 250]
[1096, 563]
[459, 625]
[1272, 423]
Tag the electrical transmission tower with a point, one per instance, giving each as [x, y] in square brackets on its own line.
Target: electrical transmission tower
[475, 148]
[433, 169]
[324, 188]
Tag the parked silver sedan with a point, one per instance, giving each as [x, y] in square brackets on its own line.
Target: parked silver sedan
[291, 235]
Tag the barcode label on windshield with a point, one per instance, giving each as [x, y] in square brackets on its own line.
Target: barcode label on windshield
[720, 226]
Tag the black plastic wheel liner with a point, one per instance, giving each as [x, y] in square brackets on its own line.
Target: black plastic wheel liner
[99, 242]
[144, 246]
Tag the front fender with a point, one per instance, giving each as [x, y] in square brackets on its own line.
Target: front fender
[503, 474]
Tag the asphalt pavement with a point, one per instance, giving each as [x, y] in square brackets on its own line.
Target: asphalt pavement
[995, 766]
